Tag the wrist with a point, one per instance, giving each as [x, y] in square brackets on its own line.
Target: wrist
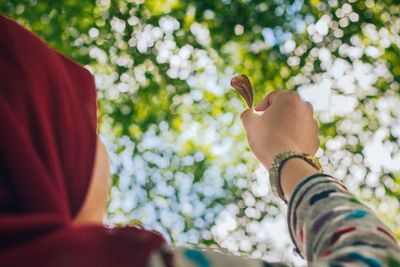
[292, 172]
[269, 158]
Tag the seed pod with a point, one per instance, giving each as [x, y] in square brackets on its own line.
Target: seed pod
[242, 84]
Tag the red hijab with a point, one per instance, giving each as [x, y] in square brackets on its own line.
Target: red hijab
[47, 150]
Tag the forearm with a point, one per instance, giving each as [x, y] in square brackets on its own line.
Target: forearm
[328, 224]
[293, 171]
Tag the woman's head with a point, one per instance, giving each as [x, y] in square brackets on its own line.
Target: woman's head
[48, 136]
[53, 168]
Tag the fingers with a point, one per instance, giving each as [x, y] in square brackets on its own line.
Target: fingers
[267, 101]
[290, 99]
[263, 105]
[272, 97]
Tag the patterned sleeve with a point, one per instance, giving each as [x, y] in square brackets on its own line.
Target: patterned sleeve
[188, 257]
[330, 227]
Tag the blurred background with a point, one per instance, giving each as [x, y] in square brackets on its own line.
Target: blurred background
[170, 120]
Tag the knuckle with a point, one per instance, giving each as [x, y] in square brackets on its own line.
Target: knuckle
[271, 97]
[291, 98]
[309, 106]
[294, 95]
[274, 94]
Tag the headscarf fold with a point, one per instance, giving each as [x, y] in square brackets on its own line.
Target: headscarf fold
[47, 151]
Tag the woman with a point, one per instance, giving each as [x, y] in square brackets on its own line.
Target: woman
[54, 176]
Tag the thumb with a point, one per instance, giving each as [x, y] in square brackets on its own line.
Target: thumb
[245, 117]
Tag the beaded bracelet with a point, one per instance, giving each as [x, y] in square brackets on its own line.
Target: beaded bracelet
[277, 165]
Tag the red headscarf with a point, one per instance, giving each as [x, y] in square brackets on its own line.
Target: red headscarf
[47, 150]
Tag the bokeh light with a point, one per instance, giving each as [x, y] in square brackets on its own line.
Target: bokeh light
[180, 161]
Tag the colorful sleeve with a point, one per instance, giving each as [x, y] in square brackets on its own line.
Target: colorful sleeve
[188, 257]
[330, 227]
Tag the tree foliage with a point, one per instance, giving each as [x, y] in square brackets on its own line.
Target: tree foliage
[180, 161]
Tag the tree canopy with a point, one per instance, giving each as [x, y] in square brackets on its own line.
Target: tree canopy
[180, 160]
